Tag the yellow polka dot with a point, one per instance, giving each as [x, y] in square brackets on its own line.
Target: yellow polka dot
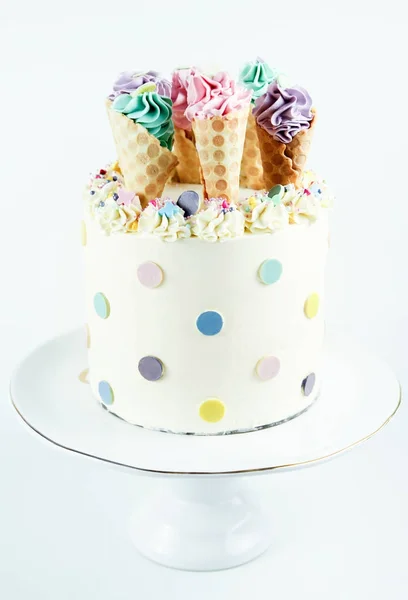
[83, 233]
[312, 306]
[212, 410]
[88, 336]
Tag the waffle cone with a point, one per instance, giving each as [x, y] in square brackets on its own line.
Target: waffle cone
[145, 164]
[284, 163]
[251, 165]
[188, 168]
[220, 143]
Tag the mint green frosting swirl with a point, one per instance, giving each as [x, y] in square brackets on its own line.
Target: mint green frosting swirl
[256, 76]
[150, 110]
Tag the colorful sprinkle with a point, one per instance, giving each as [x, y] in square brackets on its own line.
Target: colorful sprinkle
[106, 393]
[189, 201]
[101, 305]
[212, 410]
[150, 274]
[151, 368]
[267, 367]
[270, 271]
[311, 307]
[308, 384]
[169, 210]
[209, 323]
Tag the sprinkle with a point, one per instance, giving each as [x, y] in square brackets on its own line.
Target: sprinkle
[102, 172]
[101, 203]
[169, 210]
[114, 178]
[125, 197]
[115, 196]
[97, 176]
[224, 204]
[92, 192]
[306, 192]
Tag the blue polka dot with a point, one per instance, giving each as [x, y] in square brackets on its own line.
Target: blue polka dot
[101, 305]
[270, 271]
[209, 323]
[105, 393]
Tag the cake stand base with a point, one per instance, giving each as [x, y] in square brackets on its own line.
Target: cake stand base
[202, 525]
[203, 518]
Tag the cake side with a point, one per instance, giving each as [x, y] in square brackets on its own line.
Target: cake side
[249, 363]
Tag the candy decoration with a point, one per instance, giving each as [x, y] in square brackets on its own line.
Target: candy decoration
[83, 233]
[150, 274]
[151, 368]
[209, 323]
[267, 367]
[308, 384]
[189, 201]
[276, 193]
[270, 271]
[106, 393]
[169, 210]
[311, 307]
[101, 305]
[212, 410]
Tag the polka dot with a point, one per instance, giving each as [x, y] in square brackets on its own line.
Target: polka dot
[312, 306]
[221, 185]
[267, 367]
[308, 384]
[83, 376]
[151, 368]
[152, 170]
[88, 336]
[143, 158]
[150, 274]
[212, 410]
[209, 323]
[270, 271]
[219, 155]
[220, 170]
[101, 305]
[153, 151]
[106, 393]
[83, 233]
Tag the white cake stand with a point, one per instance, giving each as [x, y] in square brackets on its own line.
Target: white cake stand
[205, 517]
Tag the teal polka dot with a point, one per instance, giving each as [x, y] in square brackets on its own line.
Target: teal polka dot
[101, 305]
[270, 271]
[106, 393]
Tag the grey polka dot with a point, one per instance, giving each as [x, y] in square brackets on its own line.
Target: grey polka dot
[151, 368]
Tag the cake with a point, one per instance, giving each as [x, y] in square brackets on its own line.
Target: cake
[205, 245]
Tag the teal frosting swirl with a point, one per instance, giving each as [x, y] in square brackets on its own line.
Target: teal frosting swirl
[256, 76]
[150, 110]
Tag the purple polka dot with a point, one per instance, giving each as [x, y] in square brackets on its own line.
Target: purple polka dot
[267, 367]
[150, 274]
[308, 384]
[151, 368]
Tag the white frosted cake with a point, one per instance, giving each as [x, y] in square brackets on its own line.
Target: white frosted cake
[205, 246]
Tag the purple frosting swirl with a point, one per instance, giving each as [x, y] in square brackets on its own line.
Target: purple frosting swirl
[129, 81]
[283, 112]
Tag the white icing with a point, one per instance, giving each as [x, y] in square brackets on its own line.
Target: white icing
[168, 229]
[259, 320]
[214, 223]
[262, 216]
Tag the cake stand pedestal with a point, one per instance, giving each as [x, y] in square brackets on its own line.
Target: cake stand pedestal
[206, 516]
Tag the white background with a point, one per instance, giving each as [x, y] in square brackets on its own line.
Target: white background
[341, 529]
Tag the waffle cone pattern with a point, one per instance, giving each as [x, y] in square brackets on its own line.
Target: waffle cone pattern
[284, 163]
[220, 144]
[188, 168]
[251, 165]
[146, 166]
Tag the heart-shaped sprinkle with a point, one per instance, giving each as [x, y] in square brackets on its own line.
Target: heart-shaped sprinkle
[189, 201]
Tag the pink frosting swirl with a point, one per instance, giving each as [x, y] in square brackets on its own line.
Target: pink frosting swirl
[179, 87]
[213, 97]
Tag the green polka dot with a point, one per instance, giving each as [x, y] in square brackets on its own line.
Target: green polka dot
[270, 271]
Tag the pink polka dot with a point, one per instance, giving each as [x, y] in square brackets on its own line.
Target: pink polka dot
[150, 274]
[267, 367]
